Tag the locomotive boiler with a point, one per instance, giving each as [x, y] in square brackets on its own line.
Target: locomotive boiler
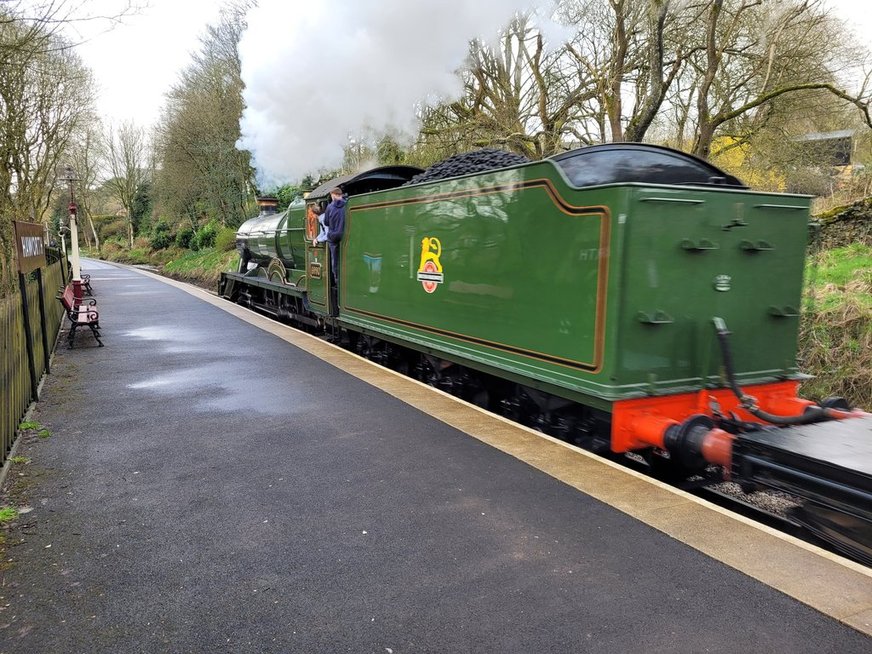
[624, 297]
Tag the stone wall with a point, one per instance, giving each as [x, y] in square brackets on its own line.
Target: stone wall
[846, 225]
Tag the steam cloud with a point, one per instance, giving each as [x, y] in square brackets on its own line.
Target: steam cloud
[317, 72]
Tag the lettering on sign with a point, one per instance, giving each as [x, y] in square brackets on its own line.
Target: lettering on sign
[589, 254]
[32, 246]
[315, 270]
[29, 246]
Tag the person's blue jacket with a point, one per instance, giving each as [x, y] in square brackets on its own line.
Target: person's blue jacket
[334, 219]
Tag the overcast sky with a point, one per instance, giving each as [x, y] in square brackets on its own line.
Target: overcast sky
[135, 63]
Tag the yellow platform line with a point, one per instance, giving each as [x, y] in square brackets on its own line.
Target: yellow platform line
[829, 583]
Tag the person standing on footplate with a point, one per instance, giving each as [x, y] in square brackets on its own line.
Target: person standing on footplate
[334, 220]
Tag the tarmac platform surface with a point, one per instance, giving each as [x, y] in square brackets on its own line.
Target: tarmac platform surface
[209, 487]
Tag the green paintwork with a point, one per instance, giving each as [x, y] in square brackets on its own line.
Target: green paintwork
[525, 258]
[318, 278]
[675, 256]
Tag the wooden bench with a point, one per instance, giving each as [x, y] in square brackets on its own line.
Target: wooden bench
[80, 313]
[86, 285]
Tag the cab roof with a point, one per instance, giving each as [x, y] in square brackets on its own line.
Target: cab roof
[376, 179]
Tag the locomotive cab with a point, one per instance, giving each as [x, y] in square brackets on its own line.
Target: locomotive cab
[318, 262]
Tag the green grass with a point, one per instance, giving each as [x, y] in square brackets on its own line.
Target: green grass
[841, 265]
[832, 275]
[202, 261]
[203, 267]
[112, 251]
[31, 425]
[19, 460]
[835, 340]
[8, 514]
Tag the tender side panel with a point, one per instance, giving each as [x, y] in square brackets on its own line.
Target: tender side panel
[501, 267]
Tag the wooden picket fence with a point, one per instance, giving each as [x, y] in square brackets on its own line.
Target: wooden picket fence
[15, 374]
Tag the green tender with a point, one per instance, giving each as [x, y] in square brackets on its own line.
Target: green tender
[602, 293]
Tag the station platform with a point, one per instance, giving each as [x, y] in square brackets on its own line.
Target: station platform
[218, 482]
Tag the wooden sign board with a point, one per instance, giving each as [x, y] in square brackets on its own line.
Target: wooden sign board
[29, 246]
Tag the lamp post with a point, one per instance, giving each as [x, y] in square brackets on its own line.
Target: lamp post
[69, 177]
[63, 231]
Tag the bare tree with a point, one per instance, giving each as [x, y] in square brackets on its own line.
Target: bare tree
[127, 161]
[606, 83]
[87, 155]
[707, 67]
[45, 97]
[630, 53]
[519, 94]
[201, 171]
[41, 21]
[755, 53]
[656, 73]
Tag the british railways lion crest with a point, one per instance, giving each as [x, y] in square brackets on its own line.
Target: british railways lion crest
[430, 271]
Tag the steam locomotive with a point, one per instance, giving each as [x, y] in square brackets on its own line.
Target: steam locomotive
[623, 297]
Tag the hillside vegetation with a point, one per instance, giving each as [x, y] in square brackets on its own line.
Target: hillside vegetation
[836, 331]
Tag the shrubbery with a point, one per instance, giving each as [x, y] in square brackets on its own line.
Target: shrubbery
[836, 330]
[161, 238]
[226, 239]
[111, 248]
[205, 236]
[185, 238]
[112, 227]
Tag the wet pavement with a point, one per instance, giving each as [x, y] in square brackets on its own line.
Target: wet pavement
[210, 488]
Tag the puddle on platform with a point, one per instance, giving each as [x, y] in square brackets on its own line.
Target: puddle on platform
[174, 339]
[153, 383]
[160, 333]
[174, 381]
[212, 394]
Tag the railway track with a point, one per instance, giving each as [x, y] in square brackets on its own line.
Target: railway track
[807, 531]
[769, 508]
[752, 510]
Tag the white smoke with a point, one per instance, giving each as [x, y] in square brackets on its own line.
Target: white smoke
[317, 72]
